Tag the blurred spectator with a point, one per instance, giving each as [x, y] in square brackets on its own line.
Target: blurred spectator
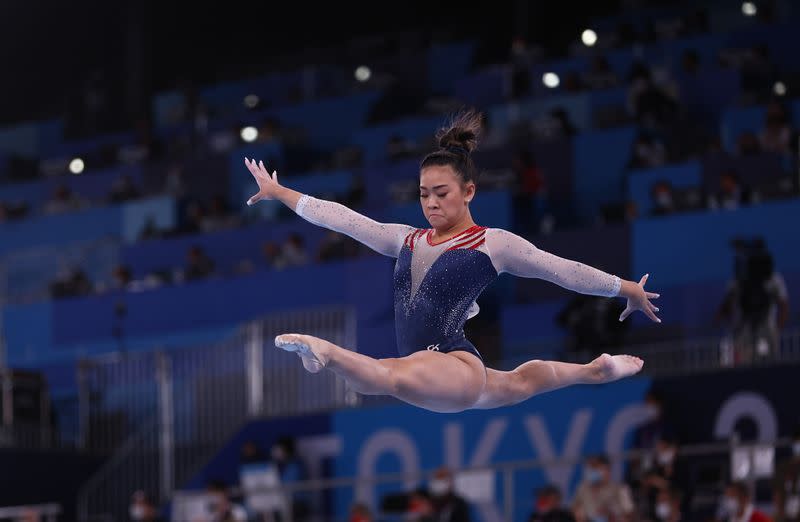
[121, 278]
[74, 283]
[447, 505]
[13, 211]
[220, 507]
[776, 135]
[150, 229]
[62, 200]
[786, 484]
[593, 324]
[648, 102]
[656, 428]
[420, 507]
[270, 254]
[192, 219]
[600, 75]
[398, 148]
[731, 195]
[218, 216]
[599, 498]
[335, 247]
[360, 513]
[747, 144]
[123, 190]
[758, 74]
[529, 194]
[737, 505]
[293, 253]
[666, 472]
[553, 126]
[631, 211]
[291, 469]
[756, 302]
[198, 264]
[548, 507]
[251, 453]
[668, 506]
[663, 199]
[142, 508]
[648, 152]
[563, 125]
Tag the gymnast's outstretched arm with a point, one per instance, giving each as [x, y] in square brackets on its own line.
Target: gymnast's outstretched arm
[384, 238]
[513, 254]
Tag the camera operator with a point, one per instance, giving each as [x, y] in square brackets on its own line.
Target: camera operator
[756, 303]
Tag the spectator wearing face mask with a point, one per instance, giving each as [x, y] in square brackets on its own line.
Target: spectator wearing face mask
[447, 505]
[668, 506]
[220, 507]
[548, 507]
[737, 505]
[599, 498]
[663, 199]
[786, 485]
[142, 508]
[667, 472]
[291, 469]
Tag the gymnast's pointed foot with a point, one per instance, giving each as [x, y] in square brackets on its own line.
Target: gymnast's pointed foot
[312, 350]
[608, 368]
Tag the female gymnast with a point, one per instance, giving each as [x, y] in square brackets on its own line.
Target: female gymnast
[438, 275]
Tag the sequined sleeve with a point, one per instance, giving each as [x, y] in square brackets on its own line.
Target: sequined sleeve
[513, 254]
[384, 238]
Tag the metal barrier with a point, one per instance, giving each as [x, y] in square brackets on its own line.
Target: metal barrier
[493, 491]
[686, 356]
[166, 413]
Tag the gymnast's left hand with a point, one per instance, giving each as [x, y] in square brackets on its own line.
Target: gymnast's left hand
[268, 186]
[638, 299]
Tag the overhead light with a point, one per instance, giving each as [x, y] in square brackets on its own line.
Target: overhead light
[362, 73]
[249, 134]
[76, 166]
[251, 100]
[749, 9]
[589, 38]
[550, 80]
[779, 88]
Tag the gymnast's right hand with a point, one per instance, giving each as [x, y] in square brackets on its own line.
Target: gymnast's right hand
[267, 183]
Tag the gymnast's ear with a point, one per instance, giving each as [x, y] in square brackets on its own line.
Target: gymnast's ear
[469, 191]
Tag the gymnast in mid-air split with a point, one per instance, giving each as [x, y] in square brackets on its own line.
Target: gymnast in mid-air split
[438, 275]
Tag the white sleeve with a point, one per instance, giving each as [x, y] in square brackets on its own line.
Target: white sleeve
[386, 239]
[513, 254]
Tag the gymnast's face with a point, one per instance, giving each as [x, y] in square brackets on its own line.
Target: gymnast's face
[444, 196]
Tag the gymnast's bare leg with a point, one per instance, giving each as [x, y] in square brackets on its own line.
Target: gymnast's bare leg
[441, 382]
[536, 377]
